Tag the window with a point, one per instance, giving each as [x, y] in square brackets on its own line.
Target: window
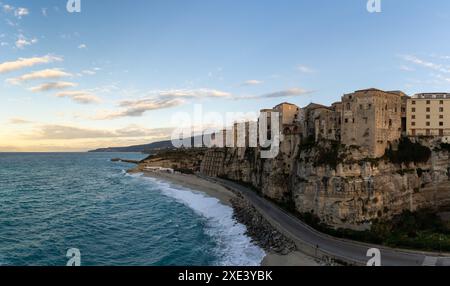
[428, 123]
[441, 123]
[428, 116]
[428, 102]
[441, 116]
[413, 124]
[441, 102]
[413, 102]
[413, 117]
[428, 109]
[346, 120]
[414, 109]
[441, 109]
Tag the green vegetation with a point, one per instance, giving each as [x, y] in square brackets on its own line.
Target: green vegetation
[421, 230]
[408, 152]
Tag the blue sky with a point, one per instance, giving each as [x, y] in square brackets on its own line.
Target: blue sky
[125, 66]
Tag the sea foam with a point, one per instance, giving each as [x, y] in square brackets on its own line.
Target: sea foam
[234, 247]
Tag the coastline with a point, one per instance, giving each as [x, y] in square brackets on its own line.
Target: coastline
[225, 196]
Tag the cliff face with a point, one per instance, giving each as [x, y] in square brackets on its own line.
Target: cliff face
[337, 183]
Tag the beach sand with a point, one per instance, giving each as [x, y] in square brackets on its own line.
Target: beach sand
[225, 196]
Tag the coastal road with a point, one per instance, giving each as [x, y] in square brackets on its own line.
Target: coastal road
[346, 250]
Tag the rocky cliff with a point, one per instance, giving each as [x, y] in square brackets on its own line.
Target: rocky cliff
[338, 183]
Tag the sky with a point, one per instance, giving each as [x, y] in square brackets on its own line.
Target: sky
[116, 73]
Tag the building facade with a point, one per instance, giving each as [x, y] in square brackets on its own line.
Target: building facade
[428, 114]
[371, 119]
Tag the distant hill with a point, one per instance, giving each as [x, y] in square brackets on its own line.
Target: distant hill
[147, 148]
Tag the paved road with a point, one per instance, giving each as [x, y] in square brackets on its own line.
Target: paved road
[344, 249]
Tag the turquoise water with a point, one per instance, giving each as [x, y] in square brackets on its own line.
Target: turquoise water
[53, 202]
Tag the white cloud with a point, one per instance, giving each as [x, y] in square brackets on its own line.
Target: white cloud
[27, 62]
[89, 72]
[190, 93]
[42, 74]
[160, 99]
[251, 82]
[22, 41]
[427, 64]
[305, 69]
[18, 121]
[63, 132]
[8, 8]
[20, 12]
[279, 94]
[44, 12]
[52, 86]
[82, 46]
[83, 97]
[138, 107]
[406, 68]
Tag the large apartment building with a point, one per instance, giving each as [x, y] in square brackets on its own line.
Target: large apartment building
[428, 114]
[372, 119]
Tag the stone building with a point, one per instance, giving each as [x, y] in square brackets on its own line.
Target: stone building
[371, 119]
[289, 113]
[327, 122]
[428, 114]
[311, 112]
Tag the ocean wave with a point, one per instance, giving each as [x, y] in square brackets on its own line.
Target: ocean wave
[234, 247]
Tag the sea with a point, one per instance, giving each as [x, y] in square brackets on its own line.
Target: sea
[53, 203]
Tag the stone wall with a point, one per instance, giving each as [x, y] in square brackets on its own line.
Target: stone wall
[341, 186]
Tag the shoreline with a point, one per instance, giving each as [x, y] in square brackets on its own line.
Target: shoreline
[226, 197]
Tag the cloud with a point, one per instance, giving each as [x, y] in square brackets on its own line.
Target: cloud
[305, 69]
[251, 82]
[44, 12]
[27, 62]
[287, 93]
[138, 108]
[62, 132]
[89, 72]
[43, 74]
[18, 121]
[22, 41]
[406, 68]
[20, 12]
[161, 99]
[278, 94]
[427, 64]
[82, 46]
[8, 8]
[191, 93]
[52, 86]
[83, 97]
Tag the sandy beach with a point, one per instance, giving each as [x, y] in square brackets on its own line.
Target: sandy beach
[225, 196]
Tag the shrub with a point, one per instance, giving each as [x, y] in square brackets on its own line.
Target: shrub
[408, 152]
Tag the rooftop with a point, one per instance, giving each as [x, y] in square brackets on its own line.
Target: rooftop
[432, 95]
